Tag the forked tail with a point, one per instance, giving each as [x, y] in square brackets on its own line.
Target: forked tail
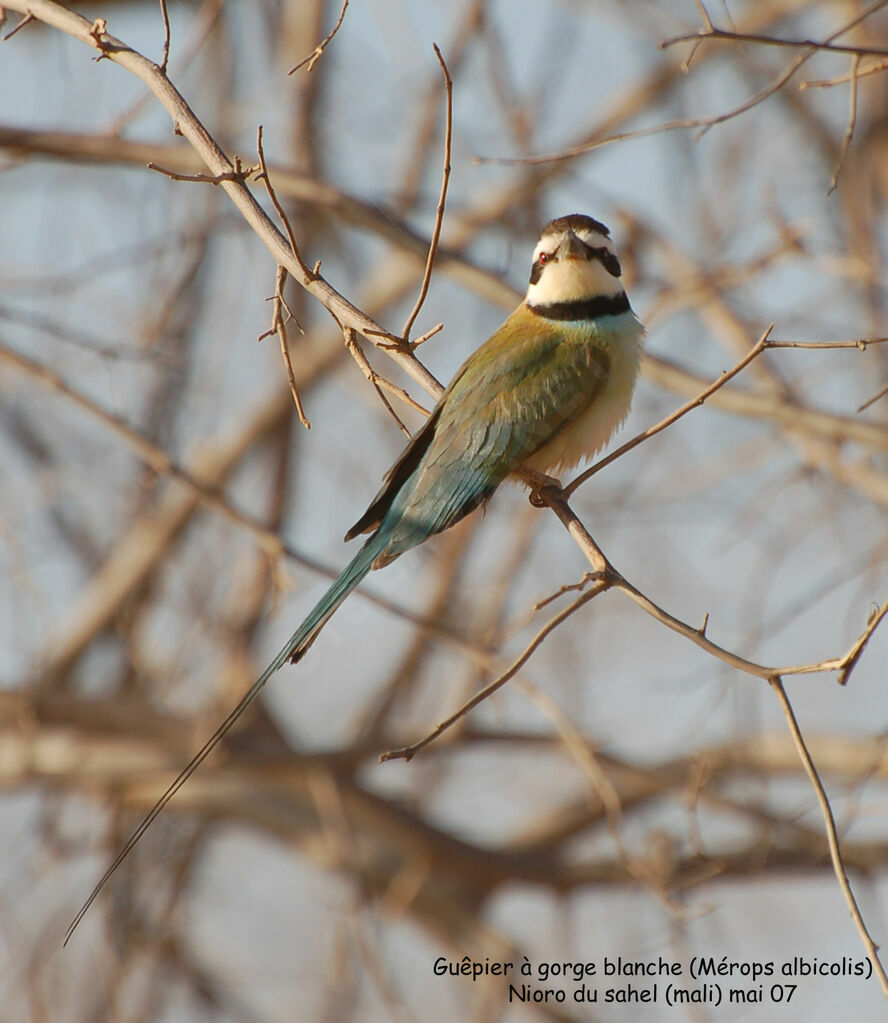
[294, 649]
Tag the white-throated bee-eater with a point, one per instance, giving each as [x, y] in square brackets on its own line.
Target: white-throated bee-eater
[545, 391]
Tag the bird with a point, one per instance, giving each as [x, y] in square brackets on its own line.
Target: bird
[545, 391]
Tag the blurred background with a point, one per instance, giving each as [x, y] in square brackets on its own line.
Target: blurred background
[295, 877]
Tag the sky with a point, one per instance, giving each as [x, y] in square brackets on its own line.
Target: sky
[721, 515]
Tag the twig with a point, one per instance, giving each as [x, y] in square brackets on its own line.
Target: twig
[318, 51]
[695, 635]
[764, 343]
[773, 677]
[408, 752]
[874, 399]
[826, 83]
[849, 131]
[351, 343]
[600, 564]
[861, 343]
[723, 35]
[421, 340]
[279, 327]
[190, 127]
[442, 198]
[26, 20]
[278, 324]
[166, 37]
[853, 655]
[567, 588]
[239, 173]
[652, 431]
[703, 123]
[809, 423]
[831, 833]
[681, 124]
[285, 220]
[200, 29]
[704, 14]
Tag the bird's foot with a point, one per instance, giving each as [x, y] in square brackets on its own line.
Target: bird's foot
[538, 482]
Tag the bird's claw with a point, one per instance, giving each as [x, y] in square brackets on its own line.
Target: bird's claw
[539, 482]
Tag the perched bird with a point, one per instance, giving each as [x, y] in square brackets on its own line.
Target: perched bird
[546, 390]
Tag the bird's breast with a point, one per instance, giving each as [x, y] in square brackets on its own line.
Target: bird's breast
[594, 427]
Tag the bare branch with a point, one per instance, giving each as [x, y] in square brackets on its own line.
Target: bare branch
[442, 198]
[652, 431]
[702, 123]
[723, 35]
[281, 212]
[239, 173]
[853, 656]
[826, 83]
[279, 327]
[26, 20]
[421, 340]
[874, 399]
[318, 51]
[409, 752]
[831, 832]
[849, 131]
[220, 167]
[378, 382]
[165, 59]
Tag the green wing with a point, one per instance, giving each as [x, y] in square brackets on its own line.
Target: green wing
[397, 476]
[507, 401]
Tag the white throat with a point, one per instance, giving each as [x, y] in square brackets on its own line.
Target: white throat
[571, 281]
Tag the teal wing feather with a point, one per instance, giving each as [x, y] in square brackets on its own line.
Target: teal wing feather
[396, 477]
[508, 400]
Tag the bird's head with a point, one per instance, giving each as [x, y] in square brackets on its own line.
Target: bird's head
[574, 260]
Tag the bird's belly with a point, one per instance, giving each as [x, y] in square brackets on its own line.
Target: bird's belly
[595, 427]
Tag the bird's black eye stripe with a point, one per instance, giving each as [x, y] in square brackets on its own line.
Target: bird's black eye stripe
[607, 259]
[604, 256]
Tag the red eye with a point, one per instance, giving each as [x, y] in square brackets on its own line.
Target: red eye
[544, 258]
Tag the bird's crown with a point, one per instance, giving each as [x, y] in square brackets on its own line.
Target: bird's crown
[575, 222]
